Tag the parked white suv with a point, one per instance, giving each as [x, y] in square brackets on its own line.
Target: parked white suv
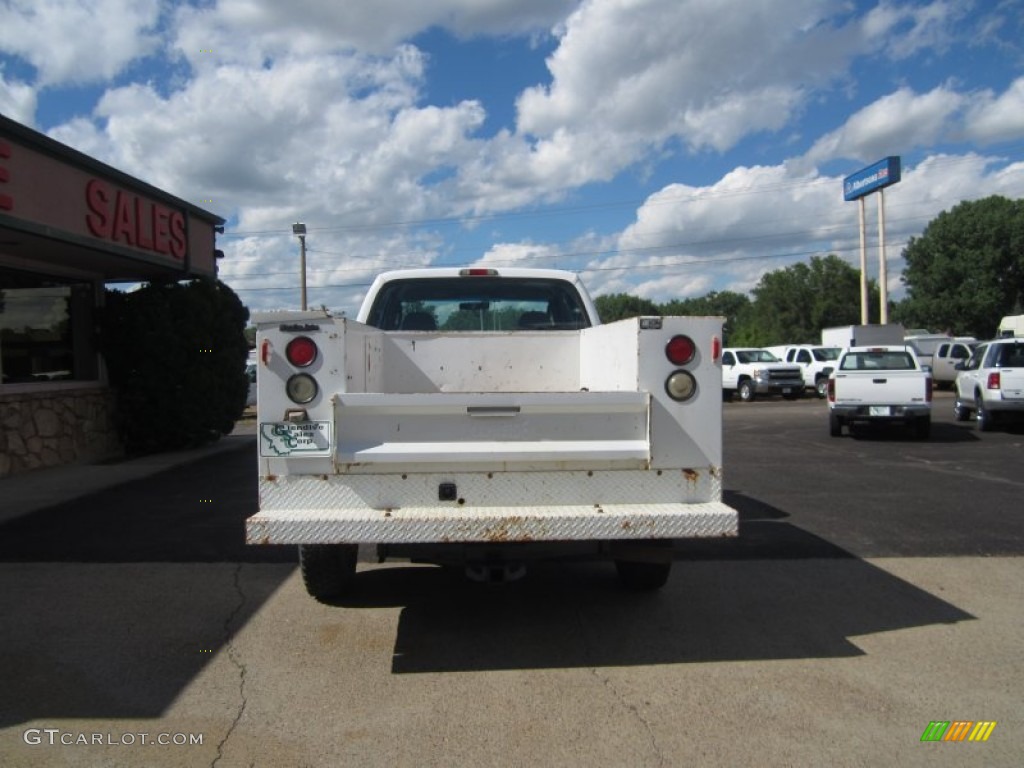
[751, 372]
[991, 383]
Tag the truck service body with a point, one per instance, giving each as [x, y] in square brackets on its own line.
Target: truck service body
[472, 411]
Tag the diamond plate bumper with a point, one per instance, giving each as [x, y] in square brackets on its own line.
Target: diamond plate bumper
[415, 525]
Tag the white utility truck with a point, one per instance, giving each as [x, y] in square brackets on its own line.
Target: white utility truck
[480, 417]
[877, 385]
[844, 336]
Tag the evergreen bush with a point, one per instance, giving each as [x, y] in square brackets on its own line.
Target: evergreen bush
[175, 354]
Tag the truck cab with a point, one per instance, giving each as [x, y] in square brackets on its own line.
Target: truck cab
[948, 354]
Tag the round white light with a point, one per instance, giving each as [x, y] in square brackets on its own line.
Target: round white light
[301, 388]
[681, 386]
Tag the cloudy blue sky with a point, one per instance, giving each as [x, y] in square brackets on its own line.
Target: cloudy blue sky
[664, 148]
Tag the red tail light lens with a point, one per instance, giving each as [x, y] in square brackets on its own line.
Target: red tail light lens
[716, 349]
[993, 381]
[301, 351]
[680, 350]
[928, 389]
[831, 390]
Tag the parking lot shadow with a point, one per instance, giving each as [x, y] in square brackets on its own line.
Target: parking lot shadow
[193, 513]
[113, 603]
[776, 592]
[562, 616]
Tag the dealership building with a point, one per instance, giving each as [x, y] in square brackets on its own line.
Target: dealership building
[70, 225]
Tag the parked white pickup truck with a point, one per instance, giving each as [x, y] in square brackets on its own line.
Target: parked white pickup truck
[948, 355]
[815, 363]
[753, 372]
[470, 415]
[880, 385]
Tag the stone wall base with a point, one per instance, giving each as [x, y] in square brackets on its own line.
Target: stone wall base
[46, 429]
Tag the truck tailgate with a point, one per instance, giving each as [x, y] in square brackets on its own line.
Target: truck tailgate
[1011, 382]
[880, 388]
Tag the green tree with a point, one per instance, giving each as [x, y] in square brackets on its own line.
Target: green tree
[729, 304]
[793, 304]
[966, 270]
[617, 306]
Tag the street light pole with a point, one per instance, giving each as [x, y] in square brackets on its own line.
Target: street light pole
[298, 228]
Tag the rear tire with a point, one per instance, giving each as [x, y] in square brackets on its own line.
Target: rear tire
[835, 425]
[328, 570]
[960, 411]
[642, 577]
[982, 415]
[923, 428]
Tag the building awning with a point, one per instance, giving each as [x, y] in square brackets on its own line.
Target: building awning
[65, 211]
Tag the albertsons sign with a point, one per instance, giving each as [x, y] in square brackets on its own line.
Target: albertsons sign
[867, 180]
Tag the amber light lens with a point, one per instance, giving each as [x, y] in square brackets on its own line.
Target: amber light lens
[301, 351]
[680, 350]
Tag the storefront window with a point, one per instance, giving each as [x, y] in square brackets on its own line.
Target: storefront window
[45, 329]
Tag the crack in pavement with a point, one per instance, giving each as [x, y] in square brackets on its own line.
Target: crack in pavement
[608, 685]
[233, 655]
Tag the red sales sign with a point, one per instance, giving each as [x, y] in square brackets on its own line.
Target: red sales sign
[123, 217]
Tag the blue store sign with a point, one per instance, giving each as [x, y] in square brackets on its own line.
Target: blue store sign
[874, 177]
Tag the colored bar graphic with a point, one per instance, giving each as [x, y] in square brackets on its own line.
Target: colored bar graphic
[958, 730]
[982, 731]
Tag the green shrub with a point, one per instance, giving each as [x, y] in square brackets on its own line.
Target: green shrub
[175, 354]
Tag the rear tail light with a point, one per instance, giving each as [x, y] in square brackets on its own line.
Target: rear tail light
[301, 388]
[831, 390]
[928, 389]
[681, 386]
[993, 381]
[680, 350]
[716, 349]
[301, 351]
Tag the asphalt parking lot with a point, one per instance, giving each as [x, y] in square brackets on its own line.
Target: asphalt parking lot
[875, 588]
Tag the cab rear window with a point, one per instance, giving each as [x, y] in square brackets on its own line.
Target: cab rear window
[478, 304]
[880, 360]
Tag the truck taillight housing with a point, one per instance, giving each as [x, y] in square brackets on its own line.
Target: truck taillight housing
[831, 390]
[993, 381]
[301, 351]
[680, 350]
[928, 387]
